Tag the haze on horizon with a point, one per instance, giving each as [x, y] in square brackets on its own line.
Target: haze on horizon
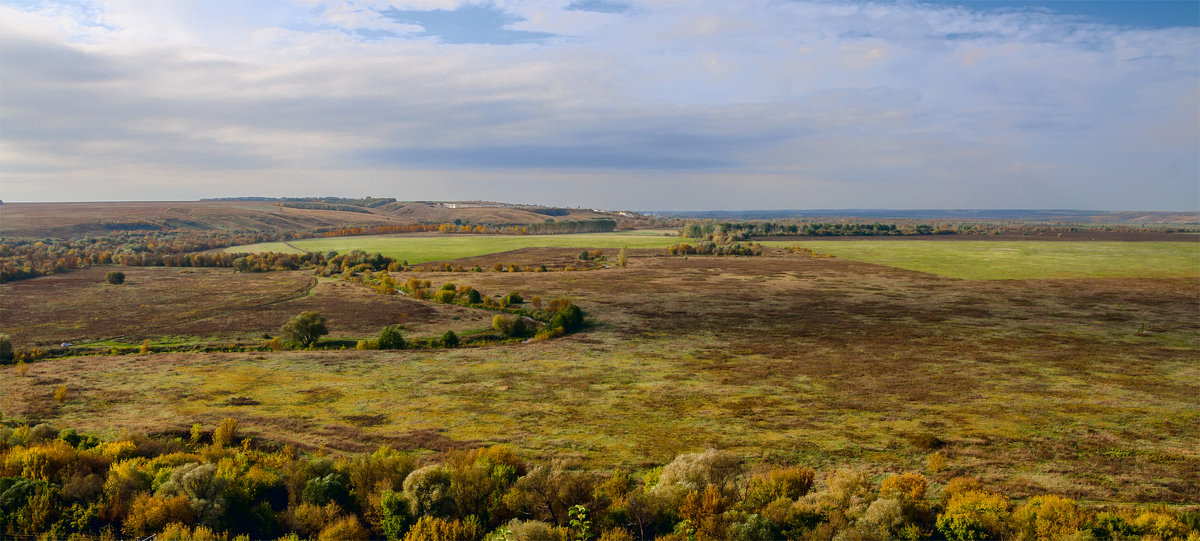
[605, 103]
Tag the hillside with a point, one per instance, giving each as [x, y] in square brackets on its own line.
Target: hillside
[40, 220]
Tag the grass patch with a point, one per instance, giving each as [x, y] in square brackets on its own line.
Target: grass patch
[423, 248]
[1020, 260]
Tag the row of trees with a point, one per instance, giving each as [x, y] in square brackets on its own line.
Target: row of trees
[215, 484]
[716, 248]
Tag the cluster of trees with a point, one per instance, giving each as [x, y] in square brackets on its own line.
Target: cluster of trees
[21, 259]
[213, 484]
[594, 225]
[716, 248]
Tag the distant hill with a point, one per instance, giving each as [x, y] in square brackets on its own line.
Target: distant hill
[989, 215]
[38, 220]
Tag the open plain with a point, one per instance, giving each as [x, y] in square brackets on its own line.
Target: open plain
[1084, 387]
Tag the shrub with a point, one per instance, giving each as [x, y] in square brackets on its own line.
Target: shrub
[514, 326]
[449, 339]
[512, 298]
[788, 482]
[569, 318]
[697, 470]
[305, 328]
[436, 529]
[973, 515]
[226, 432]
[332, 488]
[1045, 518]
[115, 277]
[474, 297]
[396, 512]
[449, 287]
[390, 338]
[910, 486]
[429, 489]
[445, 296]
[345, 528]
[6, 350]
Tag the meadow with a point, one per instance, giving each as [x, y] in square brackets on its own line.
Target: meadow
[1083, 387]
[418, 249]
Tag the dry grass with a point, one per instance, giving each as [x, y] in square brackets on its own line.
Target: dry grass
[1051, 385]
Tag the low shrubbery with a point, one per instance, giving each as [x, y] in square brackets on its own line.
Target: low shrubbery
[56, 484]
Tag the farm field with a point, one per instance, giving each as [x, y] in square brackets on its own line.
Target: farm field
[1018, 260]
[205, 305]
[1083, 387]
[418, 249]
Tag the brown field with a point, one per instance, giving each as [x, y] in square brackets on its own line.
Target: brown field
[41, 220]
[206, 305]
[1083, 387]
[1118, 236]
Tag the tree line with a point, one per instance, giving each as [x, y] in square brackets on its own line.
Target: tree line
[217, 482]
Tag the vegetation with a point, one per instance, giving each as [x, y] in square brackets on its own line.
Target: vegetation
[1017, 260]
[305, 328]
[115, 277]
[59, 483]
[416, 250]
[390, 338]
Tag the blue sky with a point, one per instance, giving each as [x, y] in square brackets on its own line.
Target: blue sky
[604, 103]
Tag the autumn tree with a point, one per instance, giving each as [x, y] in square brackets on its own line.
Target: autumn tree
[306, 328]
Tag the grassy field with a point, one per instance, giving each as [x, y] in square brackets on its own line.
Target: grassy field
[1083, 387]
[1018, 260]
[423, 248]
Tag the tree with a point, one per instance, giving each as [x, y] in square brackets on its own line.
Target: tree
[450, 339]
[305, 328]
[390, 338]
[474, 297]
[6, 351]
[115, 277]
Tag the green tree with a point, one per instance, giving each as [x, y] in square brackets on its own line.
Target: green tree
[6, 351]
[474, 297]
[390, 338]
[306, 328]
[449, 339]
[115, 277]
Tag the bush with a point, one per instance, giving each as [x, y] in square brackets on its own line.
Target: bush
[445, 296]
[6, 351]
[698, 470]
[390, 338]
[225, 433]
[474, 297]
[513, 326]
[449, 339]
[789, 482]
[1044, 518]
[305, 328]
[973, 515]
[512, 298]
[332, 488]
[115, 277]
[344, 529]
[569, 318]
[396, 512]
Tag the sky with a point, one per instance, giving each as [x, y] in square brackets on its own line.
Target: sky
[615, 104]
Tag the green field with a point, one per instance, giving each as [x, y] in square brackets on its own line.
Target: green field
[1019, 260]
[419, 249]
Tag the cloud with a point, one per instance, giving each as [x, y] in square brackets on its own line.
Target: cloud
[469, 23]
[795, 104]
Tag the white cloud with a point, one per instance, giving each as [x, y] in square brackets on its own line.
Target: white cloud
[802, 104]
